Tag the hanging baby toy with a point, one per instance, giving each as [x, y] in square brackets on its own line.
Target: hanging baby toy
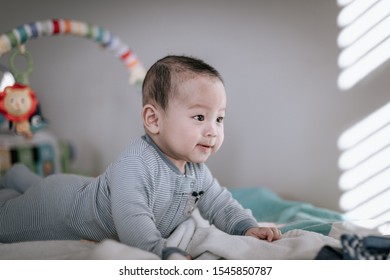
[18, 102]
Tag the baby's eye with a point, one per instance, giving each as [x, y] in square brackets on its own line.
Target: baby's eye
[220, 120]
[199, 118]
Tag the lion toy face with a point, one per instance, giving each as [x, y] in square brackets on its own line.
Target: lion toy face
[18, 102]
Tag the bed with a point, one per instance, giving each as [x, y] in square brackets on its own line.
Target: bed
[309, 233]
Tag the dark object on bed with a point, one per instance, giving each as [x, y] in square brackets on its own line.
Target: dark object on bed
[358, 248]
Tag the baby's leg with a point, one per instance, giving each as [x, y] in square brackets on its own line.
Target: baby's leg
[6, 194]
[19, 178]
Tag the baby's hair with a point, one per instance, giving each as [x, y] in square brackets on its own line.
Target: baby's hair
[164, 75]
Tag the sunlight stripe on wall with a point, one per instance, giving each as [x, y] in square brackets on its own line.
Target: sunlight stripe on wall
[365, 165]
[364, 39]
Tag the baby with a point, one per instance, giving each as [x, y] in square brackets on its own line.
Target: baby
[152, 187]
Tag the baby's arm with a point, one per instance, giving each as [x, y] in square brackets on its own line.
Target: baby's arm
[131, 213]
[267, 233]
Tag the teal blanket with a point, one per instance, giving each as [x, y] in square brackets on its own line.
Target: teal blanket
[267, 206]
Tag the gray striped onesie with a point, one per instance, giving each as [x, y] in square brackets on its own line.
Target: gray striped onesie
[139, 200]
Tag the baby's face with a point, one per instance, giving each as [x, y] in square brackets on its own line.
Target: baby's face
[192, 128]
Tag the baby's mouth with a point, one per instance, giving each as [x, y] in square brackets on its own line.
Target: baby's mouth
[205, 147]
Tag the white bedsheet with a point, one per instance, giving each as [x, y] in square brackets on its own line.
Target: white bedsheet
[196, 237]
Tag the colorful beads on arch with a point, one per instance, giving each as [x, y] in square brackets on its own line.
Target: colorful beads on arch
[23, 33]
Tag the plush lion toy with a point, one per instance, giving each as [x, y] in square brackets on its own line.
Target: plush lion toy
[18, 102]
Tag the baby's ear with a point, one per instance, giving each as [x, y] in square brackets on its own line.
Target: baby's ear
[150, 117]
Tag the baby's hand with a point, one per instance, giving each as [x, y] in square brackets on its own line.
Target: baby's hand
[268, 233]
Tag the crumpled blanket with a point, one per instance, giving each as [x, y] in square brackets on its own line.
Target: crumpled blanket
[203, 241]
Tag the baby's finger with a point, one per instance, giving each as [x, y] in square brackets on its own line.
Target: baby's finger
[276, 234]
[271, 234]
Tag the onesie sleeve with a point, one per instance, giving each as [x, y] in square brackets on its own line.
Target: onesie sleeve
[219, 207]
[131, 195]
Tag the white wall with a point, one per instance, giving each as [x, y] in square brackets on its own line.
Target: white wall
[279, 61]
